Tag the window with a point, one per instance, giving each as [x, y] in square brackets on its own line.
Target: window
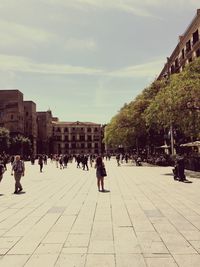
[66, 145]
[73, 145]
[96, 138]
[89, 130]
[82, 145]
[188, 46]
[82, 138]
[198, 53]
[26, 113]
[58, 130]
[183, 53]
[195, 37]
[95, 129]
[176, 63]
[1, 114]
[172, 69]
[66, 130]
[89, 145]
[11, 117]
[96, 145]
[89, 138]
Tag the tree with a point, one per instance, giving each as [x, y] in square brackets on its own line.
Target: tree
[20, 145]
[172, 103]
[128, 127]
[4, 139]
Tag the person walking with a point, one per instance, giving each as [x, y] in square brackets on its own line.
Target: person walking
[61, 162]
[85, 162]
[2, 169]
[41, 162]
[18, 168]
[100, 173]
[118, 160]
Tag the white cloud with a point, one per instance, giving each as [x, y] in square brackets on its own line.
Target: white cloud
[22, 64]
[127, 6]
[147, 70]
[136, 7]
[13, 34]
[80, 44]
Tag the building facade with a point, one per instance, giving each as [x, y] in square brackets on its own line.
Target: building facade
[47, 134]
[12, 111]
[77, 138]
[186, 51]
[30, 123]
[45, 127]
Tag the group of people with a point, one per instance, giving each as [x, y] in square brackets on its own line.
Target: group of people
[18, 167]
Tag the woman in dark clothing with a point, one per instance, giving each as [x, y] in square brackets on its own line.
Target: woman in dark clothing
[100, 173]
[41, 162]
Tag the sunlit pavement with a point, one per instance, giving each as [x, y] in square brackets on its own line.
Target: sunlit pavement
[147, 219]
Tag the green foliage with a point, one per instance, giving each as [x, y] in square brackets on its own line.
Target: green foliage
[4, 139]
[175, 101]
[20, 145]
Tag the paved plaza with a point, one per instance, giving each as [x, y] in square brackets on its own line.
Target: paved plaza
[147, 219]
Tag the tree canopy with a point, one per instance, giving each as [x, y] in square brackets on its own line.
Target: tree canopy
[169, 101]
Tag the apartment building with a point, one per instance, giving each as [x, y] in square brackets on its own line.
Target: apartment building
[186, 50]
[77, 137]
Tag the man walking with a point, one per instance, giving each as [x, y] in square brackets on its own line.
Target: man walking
[18, 168]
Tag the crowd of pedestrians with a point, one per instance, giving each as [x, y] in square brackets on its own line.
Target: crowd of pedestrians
[61, 161]
[83, 162]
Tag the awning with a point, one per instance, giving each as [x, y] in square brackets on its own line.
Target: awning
[191, 144]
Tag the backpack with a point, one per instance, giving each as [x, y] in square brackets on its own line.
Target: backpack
[18, 167]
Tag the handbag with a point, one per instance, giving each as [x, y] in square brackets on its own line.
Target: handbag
[103, 171]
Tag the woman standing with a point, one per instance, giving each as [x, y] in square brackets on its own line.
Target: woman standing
[100, 173]
[18, 168]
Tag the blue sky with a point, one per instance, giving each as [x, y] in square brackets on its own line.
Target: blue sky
[84, 59]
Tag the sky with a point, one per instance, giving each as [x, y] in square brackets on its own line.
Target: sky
[84, 59]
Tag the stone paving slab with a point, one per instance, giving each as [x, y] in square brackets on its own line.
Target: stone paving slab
[145, 219]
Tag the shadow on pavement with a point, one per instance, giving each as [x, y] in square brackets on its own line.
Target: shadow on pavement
[188, 182]
[105, 191]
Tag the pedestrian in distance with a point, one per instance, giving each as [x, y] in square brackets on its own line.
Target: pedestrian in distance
[45, 157]
[57, 160]
[85, 162]
[40, 162]
[61, 162]
[118, 160]
[179, 169]
[18, 168]
[2, 170]
[100, 173]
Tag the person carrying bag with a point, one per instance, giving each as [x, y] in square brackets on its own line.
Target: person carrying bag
[100, 173]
